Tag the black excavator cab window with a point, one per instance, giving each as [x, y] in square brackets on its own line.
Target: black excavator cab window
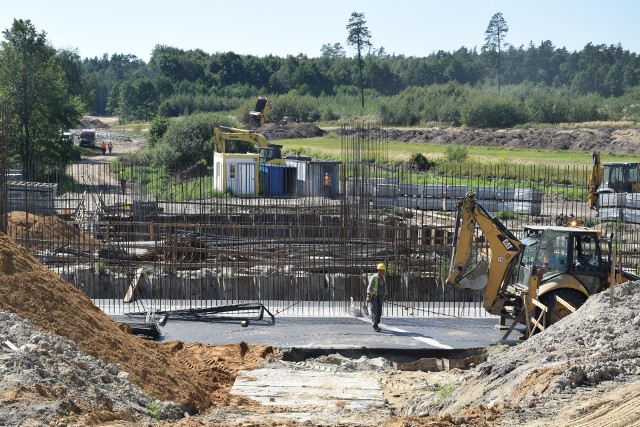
[585, 254]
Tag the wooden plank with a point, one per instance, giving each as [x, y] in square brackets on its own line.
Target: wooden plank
[520, 317]
[129, 297]
[566, 304]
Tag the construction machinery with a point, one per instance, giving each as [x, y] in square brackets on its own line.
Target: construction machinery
[536, 280]
[270, 154]
[612, 177]
[88, 138]
[260, 113]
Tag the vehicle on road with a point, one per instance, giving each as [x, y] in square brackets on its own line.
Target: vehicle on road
[88, 138]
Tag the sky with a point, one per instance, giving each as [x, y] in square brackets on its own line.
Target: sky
[292, 27]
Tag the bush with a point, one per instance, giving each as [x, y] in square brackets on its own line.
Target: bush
[449, 112]
[304, 107]
[586, 109]
[157, 129]
[490, 111]
[544, 106]
[188, 141]
[420, 162]
[457, 154]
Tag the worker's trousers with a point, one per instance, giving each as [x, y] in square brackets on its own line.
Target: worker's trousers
[376, 310]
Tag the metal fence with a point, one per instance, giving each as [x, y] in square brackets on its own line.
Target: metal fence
[135, 240]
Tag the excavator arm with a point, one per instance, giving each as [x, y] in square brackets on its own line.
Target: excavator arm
[594, 181]
[505, 249]
[269, 153]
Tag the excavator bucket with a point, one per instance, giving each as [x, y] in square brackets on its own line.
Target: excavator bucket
[261, 112]
[476, 278]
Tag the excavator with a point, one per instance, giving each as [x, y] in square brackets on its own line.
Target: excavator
[536, 280]
[270, 154]
[260, 113]
[612, 177]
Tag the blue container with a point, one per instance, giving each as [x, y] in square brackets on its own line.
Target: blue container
[272, 180]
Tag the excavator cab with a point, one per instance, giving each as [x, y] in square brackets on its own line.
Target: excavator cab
[567, 259]
[612, 177]
[620, 177]
[270, 153]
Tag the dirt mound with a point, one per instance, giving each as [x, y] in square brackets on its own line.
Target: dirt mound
[194, 376]
[588, 357]
[47, 232]
[605, 139]
[91, 123]
[273, 131]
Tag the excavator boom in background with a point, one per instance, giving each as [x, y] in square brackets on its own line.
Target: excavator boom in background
[270, 154]
[260, 113]
[537, 280]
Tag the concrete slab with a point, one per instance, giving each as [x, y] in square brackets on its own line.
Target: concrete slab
[435, 333]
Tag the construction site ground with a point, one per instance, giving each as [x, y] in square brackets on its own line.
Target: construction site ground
[63, 362]
[398, 335]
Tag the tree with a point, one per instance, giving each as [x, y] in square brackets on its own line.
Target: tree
[359, 38]
[34, 83]
[494, 38]
[330, 51]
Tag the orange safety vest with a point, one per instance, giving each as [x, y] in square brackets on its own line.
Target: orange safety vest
[327, 181]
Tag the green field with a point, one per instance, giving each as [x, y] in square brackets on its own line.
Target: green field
[329, 147]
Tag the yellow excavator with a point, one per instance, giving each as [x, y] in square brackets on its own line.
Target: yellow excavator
[534, 281]
[260, 113]
[612, 177]
[270, 154]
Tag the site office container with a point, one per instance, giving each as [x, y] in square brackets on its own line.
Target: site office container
[236, 173]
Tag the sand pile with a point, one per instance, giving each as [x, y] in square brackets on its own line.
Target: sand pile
[192, 375]
[47, 232]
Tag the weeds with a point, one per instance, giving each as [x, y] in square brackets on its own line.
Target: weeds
[154, 411]
[101, 268]
[444, 390]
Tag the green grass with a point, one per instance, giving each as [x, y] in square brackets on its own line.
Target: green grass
[329, 147]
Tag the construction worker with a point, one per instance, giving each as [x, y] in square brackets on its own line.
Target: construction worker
[123, 182]
[376, 295]
[327, 185]
[110, 147]
[103, 147]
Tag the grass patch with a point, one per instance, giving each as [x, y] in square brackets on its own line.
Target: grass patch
[330, 147]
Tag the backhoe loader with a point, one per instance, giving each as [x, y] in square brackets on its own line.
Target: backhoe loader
[612, 177]
[536, 280]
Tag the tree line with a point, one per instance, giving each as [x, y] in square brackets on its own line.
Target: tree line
[500, 85]
[179, 82]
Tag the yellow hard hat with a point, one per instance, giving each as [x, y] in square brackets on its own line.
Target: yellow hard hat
[381, 267]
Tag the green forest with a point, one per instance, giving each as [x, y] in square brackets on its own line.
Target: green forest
[499, 85]
[540, 84]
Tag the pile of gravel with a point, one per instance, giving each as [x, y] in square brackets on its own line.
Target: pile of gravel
[334, 363]
[597, 346]
[64, 381]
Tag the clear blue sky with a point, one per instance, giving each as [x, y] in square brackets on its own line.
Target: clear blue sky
[288, 27]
